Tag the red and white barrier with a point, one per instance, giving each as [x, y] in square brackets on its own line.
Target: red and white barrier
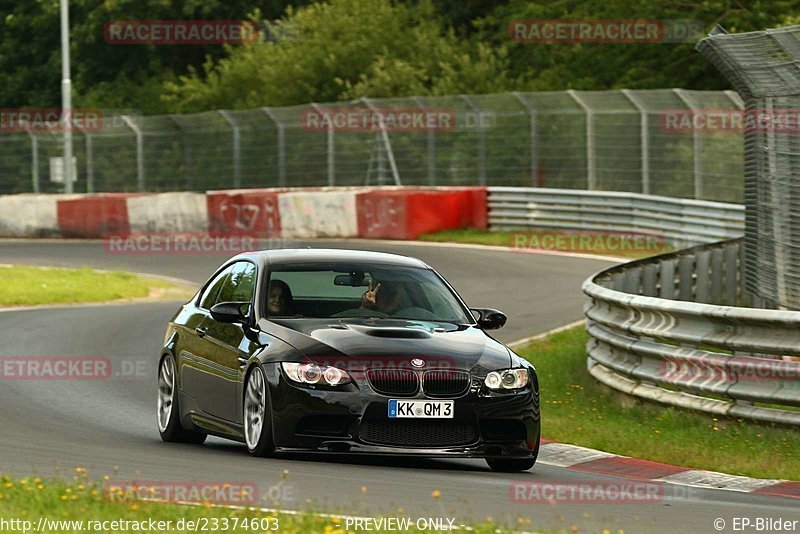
[252, 212]
[406, 214]
[307, 214]
[168, 212]
[391, 212]
[94, 215]
[30, 215]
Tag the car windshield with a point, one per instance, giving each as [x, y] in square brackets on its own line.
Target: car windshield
[359, 291]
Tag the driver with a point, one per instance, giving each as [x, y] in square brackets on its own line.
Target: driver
[384, 297]
[279, 298]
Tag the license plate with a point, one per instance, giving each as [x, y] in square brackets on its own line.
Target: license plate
[438, 409]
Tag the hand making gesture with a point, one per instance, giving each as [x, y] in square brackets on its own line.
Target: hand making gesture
[369, 296]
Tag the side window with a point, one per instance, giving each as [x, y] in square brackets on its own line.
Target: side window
[209, 297]
[239, 286]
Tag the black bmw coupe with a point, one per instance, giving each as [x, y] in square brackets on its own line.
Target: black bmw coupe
[344, 351]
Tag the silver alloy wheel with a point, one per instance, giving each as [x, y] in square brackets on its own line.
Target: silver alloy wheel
[254, 408]
[166, 392]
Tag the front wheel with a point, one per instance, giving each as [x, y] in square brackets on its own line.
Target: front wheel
[511, 465]
[257, 416]
[169, 413]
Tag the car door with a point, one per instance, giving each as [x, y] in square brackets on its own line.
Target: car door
[192, 348]
[225, 347]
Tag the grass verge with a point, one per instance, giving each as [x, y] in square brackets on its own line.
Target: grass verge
[578, 410]
[605, 243]
[23, 285]
[64, 504]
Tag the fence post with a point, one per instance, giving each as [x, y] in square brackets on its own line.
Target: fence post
[387, 145]
[139, 151]
[591, 172]
[481, 142]
[237, 154]
[431, 148]
[697, 146]
[281, 146]
[34, 160]
[331, 149]
[186, 149]
[534, 136]
[89, 162]
[644, 134]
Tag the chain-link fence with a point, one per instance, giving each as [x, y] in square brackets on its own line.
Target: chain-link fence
[764, 67]
[648, 141]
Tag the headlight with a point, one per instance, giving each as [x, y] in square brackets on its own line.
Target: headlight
[507, 379]
[309, 373]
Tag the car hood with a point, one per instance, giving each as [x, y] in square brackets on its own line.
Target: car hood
[370, 343]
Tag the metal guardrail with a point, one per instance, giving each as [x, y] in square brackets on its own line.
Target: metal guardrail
[669, 329]
[683, 222]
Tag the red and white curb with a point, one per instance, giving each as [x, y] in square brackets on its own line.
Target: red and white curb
[584, 459]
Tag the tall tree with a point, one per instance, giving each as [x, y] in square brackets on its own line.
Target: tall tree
[345, 49]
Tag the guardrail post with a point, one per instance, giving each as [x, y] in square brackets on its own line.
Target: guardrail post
[697, 146]
[139, 151]
[281, 145]
[666, 276]
[591, 171]
[331, 148]
[644, 135]
[481, 140]
[237, 156]
[702, 273]
[534, 133]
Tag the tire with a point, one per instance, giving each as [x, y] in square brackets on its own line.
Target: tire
[256, 415]
[168, 414]
[512, 465]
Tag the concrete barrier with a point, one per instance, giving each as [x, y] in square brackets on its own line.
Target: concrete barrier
[408, 213]
[30, 215]
[385, 212]
[318, 214]
[251, 212]
[94, 216]
[168, 212]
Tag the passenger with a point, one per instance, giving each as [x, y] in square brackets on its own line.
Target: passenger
[279, 298]
[385, 298]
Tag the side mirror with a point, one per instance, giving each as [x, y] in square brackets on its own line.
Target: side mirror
[489, 318]
[230, 312]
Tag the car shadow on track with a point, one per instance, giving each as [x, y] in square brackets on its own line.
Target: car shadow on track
[454, 464]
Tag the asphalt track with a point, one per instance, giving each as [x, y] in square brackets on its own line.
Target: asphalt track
[51, 427]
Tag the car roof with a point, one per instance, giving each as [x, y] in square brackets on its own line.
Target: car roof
[293, 256]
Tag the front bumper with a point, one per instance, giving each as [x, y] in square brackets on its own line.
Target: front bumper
[354, 420]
